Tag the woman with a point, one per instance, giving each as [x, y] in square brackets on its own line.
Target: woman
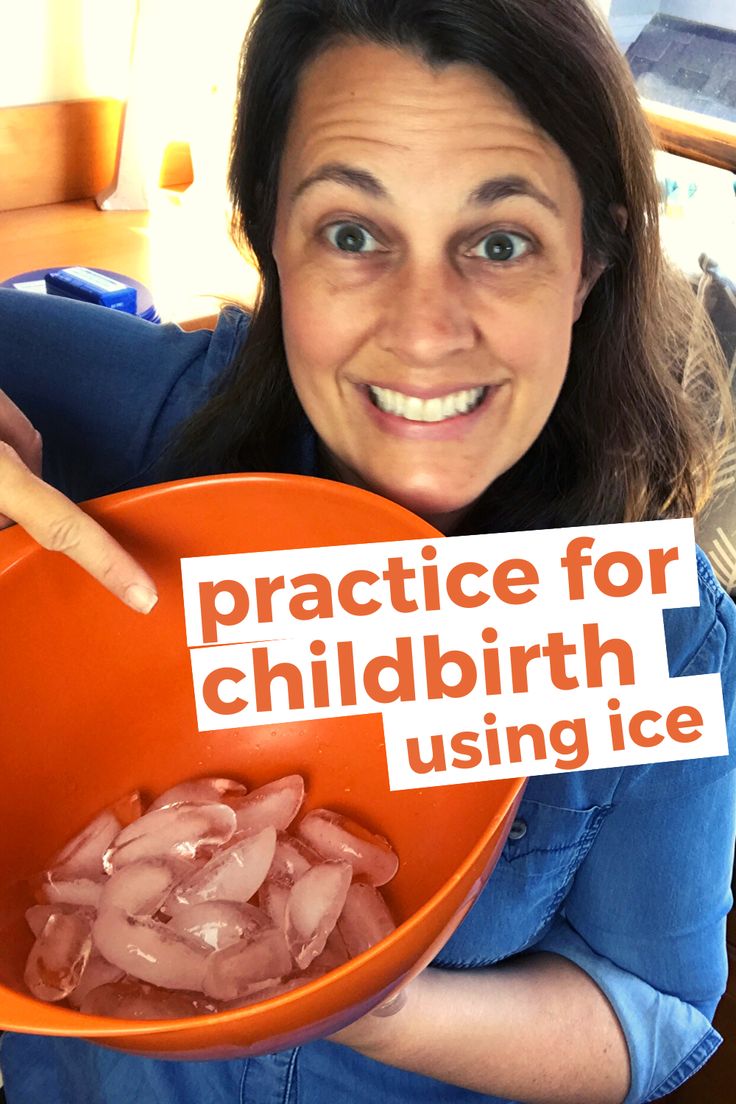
[464, 308]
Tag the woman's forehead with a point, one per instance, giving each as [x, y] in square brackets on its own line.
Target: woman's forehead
[383, 107]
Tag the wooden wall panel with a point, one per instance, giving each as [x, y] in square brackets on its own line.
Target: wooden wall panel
[51, 153]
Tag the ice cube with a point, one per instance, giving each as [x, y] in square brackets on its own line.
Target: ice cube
[140, 888]
[59, 887]
[37, 915]
[335, 954]
[58, 956]
[291, 858]
[262, 991]
[275, 804]
[176, 831]
[98, 971]
[201, 790]
[315, 902]
[365, 918]
[232, 972]
[335, 837]
[149, 950]
[129, 999]
[272, 898]
[82, 856]
[233, 874]
[219, 923]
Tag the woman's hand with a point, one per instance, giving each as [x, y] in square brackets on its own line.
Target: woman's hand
[54, 521]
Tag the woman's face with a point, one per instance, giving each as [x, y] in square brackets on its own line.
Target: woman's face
[429, 247]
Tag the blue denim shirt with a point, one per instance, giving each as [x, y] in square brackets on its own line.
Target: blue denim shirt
[626, 872]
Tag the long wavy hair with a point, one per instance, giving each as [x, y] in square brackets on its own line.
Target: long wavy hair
[643, 412]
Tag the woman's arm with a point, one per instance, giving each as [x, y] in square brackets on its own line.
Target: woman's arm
[535, 1028]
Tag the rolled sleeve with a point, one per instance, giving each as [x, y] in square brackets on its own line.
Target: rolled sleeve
[646, 919]
[668, 1039]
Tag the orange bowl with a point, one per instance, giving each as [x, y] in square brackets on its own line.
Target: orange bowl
[98, 701]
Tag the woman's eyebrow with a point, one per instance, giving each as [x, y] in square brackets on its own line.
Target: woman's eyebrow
[490, 191]
[500, 187]
[339, 173]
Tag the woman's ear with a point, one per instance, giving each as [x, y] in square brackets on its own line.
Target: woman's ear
[621, 217]
[587, 283]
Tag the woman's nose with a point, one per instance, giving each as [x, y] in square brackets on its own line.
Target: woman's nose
[425, 318]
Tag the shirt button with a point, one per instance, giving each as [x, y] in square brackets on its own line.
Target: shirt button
[518, 830]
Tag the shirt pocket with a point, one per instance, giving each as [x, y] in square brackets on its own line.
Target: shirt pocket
[547, 841]
[533, 875]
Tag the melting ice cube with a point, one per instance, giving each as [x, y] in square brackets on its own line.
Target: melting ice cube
[37, 915]
[129, 999]
[201, 791]
[335, 837]
[291, 858]
[149, 950]
[141, 887]
[58, 956]
[272, 898]
[232, 972]
[58, 887]
[365, 918]
[315, 902]
[82, 856]
[176, 831]
[275, 804]
[98, 971]
[232, 874]
[335, 954]
[219, 923]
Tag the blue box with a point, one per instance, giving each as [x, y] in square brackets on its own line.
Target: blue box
[92, 287]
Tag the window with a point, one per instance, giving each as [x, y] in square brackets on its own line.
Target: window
[682, 54]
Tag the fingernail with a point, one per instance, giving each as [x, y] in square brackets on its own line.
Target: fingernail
[141, 598]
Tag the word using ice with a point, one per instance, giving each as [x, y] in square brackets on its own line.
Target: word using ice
[204, 902]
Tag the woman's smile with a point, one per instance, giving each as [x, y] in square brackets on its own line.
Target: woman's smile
[441, 415]
[418, 408]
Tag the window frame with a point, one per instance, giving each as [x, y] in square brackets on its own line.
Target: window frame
[703, 138]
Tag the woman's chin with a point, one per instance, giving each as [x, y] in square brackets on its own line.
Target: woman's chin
[422, 497]
[444, 513]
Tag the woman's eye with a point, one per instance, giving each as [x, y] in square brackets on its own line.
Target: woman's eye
[501, 246]
[349, 237]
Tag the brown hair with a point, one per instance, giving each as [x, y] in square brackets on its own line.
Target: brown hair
[636, 431]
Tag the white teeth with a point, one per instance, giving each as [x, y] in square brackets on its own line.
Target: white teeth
[433, 410]
[413, 409]
[426, 410]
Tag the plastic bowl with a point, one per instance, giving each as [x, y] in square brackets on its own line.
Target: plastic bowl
[97, 701]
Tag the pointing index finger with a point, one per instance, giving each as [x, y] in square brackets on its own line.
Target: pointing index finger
[61, 526]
